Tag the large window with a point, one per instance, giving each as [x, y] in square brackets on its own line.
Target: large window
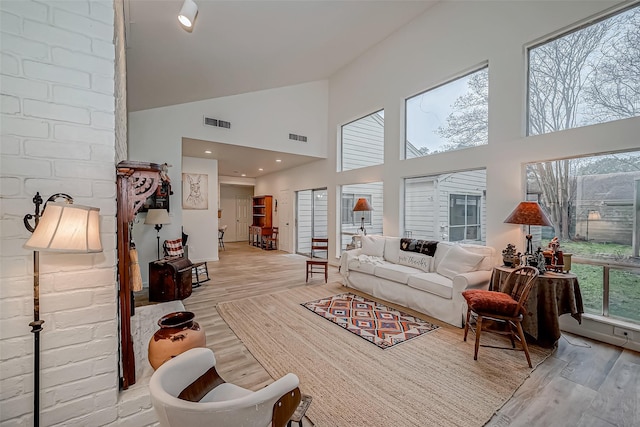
[448, 117]
[351, 221]
[587, 76]
[446, 207]
[363, 142]
[594, 205]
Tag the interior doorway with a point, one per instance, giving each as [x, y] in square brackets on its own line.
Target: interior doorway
[311, 218]
[235, 202]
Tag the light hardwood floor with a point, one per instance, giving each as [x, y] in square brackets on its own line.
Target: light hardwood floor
[583, 383]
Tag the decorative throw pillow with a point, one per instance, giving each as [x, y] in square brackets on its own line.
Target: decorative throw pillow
[392, 249]
[412, 259]
[174, 247]
[458, 261]
[373, 245]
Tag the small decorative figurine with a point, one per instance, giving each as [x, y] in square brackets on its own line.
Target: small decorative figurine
[554, 258]
[509, 256]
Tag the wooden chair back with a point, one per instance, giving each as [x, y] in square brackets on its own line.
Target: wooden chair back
[319, 245]
[519, 283]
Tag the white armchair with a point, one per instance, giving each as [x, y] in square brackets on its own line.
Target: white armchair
[206, 399]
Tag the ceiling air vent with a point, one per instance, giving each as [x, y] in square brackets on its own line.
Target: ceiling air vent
[209, 121]
[294, 137]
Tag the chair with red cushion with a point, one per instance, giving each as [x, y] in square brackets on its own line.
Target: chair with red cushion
[506, 308]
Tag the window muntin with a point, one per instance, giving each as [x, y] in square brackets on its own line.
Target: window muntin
[464, 217]
[587, 76]
[449, 117]
[363, 142]
[427, 211]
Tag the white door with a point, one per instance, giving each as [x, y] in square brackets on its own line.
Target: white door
[284, 213]
[243, 205]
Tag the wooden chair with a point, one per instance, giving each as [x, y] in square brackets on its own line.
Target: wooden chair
[503, 308]
[271, 241]
[221, 232]
[174, 248]
[318, 265]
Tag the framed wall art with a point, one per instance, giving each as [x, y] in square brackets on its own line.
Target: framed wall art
[195, 191]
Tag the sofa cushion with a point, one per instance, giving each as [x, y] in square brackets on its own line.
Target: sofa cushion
[486, 251]
[373, 245]
[433, 283]
[362, 265]
[392, 249]
[412, 259]
[457, 261]
[396, 272]
[441, 251]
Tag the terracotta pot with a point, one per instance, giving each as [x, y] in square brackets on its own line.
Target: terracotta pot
[178, 333]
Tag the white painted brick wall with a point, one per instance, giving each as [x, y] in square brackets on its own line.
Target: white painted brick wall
[57, 135]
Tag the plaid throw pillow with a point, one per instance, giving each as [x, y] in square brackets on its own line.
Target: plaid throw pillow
[174, 247]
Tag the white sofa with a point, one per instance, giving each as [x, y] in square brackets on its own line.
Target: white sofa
[429, 284]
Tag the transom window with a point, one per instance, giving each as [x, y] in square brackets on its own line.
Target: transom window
[363, 142]
[587, 76]
[449, 117]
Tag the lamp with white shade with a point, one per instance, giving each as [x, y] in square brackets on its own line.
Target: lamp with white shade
[157, 217]
[61, 227]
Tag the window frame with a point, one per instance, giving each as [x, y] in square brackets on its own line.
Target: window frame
[466, 225]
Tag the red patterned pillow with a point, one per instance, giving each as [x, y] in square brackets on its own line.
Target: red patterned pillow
[174, 247]
[491, 302]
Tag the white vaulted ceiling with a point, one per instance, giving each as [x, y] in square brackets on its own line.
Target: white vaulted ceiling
[242, 46]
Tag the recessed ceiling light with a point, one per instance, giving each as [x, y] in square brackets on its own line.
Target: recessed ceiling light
[207, 152]
[260, 169]
[278, 160]
[244, 174]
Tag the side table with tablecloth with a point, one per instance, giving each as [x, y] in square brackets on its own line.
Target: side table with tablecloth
[553, 295]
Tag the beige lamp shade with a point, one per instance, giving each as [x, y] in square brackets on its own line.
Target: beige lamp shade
[66, 227]
[362, 205]
[157, 216]
[594, 215]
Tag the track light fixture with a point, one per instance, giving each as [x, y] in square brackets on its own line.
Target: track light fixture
[188, 14]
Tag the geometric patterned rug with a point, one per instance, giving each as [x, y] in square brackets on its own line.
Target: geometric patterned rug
[375, 322]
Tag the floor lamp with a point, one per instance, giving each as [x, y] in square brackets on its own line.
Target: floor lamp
[528, 213]
[362, 205]
[60, 227]
[157, 217]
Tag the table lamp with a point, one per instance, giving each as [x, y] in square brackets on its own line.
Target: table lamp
[528, 213]
[362, 205]
[157, 217]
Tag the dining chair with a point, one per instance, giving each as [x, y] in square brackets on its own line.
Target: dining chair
[505, 309]
[317, 264]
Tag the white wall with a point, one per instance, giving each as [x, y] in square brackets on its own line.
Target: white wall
[261, 119]
[202, 225]
[57, 84]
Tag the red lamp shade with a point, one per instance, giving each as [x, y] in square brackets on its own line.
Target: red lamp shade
[528, 213]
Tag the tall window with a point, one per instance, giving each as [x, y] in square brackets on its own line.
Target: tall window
[464, 217]
[363, 142]
[311, 218]
[351, 221]
[587, 76]
[446, 207]
[449, 117]
[593, 203]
